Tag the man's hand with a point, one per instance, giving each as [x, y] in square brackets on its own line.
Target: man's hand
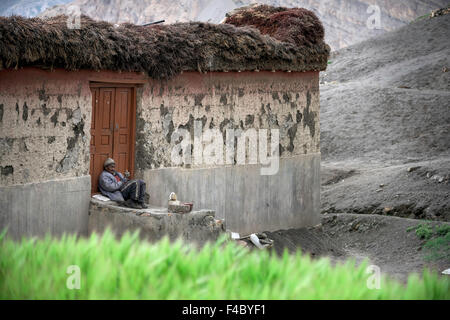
[126, 174]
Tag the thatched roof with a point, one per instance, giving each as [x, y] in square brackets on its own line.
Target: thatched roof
[162, 51]
[293, 25]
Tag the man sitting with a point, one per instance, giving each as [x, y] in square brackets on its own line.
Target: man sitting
[115, 186]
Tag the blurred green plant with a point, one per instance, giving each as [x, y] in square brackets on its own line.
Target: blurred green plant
[130, 268]
[438, 240]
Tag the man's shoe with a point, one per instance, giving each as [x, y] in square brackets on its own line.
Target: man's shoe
[131, 204]
[126, 203]
[135, 205]
[143, 205]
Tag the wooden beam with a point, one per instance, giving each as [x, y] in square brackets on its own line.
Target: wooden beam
[116, 83]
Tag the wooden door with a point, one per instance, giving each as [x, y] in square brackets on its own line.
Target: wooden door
[122, 129]
[112, 130]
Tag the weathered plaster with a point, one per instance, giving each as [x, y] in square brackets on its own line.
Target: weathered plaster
[45, 119]
[44, 130]
[248, 201]
[240, 100]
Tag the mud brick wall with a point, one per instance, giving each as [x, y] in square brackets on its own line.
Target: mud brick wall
[248, 201]
[45, 119]
[44, 125]
[240, 100]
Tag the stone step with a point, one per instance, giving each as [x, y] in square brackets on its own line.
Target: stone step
[154, 222]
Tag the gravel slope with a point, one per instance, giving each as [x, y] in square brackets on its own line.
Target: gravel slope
[382, 241]
[385, 109]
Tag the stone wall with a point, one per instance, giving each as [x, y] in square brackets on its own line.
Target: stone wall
[54, 207]
[44, 152]
[239, 100]
[45, 118]
[44, 125]
[155, 223]
[247, 200]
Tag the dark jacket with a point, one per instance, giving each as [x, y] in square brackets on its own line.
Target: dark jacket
[109, 186]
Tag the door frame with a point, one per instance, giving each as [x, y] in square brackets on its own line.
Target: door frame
[133, 86]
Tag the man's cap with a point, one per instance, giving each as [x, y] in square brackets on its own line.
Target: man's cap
[108, 162]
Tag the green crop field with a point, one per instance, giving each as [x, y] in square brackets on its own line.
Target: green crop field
[133, 269]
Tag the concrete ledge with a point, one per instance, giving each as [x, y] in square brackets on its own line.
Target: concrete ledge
[154, 222]
[248, 201]
[55, 207]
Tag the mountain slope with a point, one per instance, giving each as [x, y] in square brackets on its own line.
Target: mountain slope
[389, 95]
[345, 22]
[385, 115]
[27, 8]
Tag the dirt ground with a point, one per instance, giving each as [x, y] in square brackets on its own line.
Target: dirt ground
[383, 240]
[385, 144]
[416, 190]
[385, 124]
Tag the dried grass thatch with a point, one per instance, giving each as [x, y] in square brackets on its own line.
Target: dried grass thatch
[293, 25]
[162, 51]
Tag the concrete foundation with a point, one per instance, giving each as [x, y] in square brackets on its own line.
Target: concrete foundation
[154, 223]
[56, 207]
[248, 201]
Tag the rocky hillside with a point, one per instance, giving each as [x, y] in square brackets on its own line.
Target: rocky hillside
[27, 8]
[345, 22]
[385, 115]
